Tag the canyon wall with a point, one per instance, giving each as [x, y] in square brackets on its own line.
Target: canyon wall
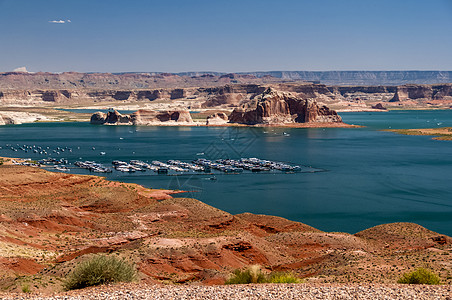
[210, 91]
[123, 81]
[352, 77]
[424, 92]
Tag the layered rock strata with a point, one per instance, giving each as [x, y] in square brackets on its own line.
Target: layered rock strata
[273, 107]
[143, 117]
[422, 92]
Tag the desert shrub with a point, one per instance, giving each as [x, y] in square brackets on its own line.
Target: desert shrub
[254, 274]
[283, 277]
[100, 269]
[419, 276]
[251, 275]
[26, 288]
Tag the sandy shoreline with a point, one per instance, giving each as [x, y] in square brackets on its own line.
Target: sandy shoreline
[443, 133]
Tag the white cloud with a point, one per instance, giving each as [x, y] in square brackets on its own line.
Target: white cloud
[57, 21]
[69, 21]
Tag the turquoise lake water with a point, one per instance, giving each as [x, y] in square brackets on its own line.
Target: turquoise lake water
[371, 177]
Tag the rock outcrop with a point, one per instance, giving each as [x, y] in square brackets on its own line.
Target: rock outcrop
[379, 106]
[413, 92]
[5, 121]
[19, 117]
[178, 94]
[152, 117]
[217, 119]
[442, 92]
[26, 96]
[230, 95]
[112, 118]
[143, 117]
[273, 107]
[238, 94]
[98, 118]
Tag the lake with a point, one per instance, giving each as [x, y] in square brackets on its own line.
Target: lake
[370, 177]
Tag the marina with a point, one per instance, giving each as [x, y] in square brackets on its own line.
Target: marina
[169, 167]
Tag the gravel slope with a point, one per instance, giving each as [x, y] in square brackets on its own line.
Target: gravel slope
[264, 291]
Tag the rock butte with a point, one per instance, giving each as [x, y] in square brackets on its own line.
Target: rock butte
[273, 107]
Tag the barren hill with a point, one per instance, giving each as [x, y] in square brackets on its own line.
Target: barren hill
[50, 221]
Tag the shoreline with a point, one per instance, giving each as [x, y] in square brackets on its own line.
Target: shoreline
[57, 114]
[441, 134]
[8, 161]
[55, 214]
[288, 125]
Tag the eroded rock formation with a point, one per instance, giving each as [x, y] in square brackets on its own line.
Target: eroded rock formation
[142, 117]
[379, 106]
[112, 118]
[273, 107]
[152, 117]
[239, 94]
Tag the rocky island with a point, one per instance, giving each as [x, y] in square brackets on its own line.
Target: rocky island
[277, 108]
[143, 117]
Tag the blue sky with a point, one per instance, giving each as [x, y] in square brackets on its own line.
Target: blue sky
[225, 35]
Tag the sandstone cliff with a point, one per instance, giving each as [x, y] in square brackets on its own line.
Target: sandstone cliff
[221, 93]
[143, 117]
[121, 81]
[236, 95]
[349, 77]
[363, 77]
[424, 92]
[273, 107]
[150, 117]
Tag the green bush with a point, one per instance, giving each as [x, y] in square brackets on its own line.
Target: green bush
[26, 288]
[419, 276]
[283, 277]
[251, 275]
[98, 270]
[254, 275]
